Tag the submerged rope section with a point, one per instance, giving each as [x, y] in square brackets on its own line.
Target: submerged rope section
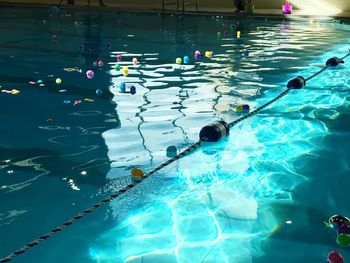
[297, 83]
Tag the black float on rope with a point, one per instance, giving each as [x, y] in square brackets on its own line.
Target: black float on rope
[214, 132]
[296, 83]
[334, 61]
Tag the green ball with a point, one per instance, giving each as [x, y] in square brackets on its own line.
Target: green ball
[117, 67]
[58, 81]
[343, 239]
[95, 64]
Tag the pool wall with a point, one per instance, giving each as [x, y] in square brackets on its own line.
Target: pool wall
[330, 7]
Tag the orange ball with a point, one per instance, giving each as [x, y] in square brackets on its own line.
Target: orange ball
[137, 174]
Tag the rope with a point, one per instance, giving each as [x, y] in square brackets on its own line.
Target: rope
[284, 93]
[314, 75]
[134, 183]
[98, 205]
[346, 55]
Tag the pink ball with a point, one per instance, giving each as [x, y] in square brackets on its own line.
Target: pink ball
[90, 74]
[134, 61]
[100, 63]
[335, 257]
[197, 53]
[119, 58]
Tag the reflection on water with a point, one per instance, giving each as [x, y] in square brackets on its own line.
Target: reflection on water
[222, 203]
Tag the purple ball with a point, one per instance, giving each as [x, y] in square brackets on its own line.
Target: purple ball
[344, 229]
[90, 74]
[246, 107]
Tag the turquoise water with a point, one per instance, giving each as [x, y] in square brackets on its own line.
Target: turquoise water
[261, 195]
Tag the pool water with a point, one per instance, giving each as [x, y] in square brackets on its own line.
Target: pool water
[261, 195]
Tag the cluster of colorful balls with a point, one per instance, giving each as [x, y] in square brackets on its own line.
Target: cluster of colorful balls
[122, 88]
[242, 108]
[197, 55]
[342, 225]
[98, 63]
[186, 60]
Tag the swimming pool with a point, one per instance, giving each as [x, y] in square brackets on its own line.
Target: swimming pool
[261, 195]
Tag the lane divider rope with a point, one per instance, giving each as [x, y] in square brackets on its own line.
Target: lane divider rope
[211, 133]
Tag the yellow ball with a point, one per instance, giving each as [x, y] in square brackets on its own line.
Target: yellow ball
[58, 81]
[239, 108]
[125, 71]
[178, 61]
[209, 54]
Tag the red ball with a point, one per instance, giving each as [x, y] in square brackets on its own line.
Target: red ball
[335, 257]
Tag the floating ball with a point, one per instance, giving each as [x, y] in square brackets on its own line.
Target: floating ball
[344, 229]
[117, 67]
[137, 174]
[95, 64]
[343, 239]
[208, 54]
[58, 81]
[186, 59]
[197, 54]
[99, 92]
[226, 34]
[125, 71]
[134, 61]
[334, 257]
[246, 53]
[245, 107]
[122, 87]
[337, 220]
[171, 151]
[132, 90]
[100, 63]
[239, 108]
[39, 81]
[238, 34]
[218, 34]
[90, 74]
[178, 61]
[119, 58]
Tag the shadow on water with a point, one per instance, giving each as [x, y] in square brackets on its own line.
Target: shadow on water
[48, 146]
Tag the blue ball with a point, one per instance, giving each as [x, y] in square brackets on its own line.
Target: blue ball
[99, 92]
[186, 59]
[122, 87]
[246, 53]
[132, 90]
